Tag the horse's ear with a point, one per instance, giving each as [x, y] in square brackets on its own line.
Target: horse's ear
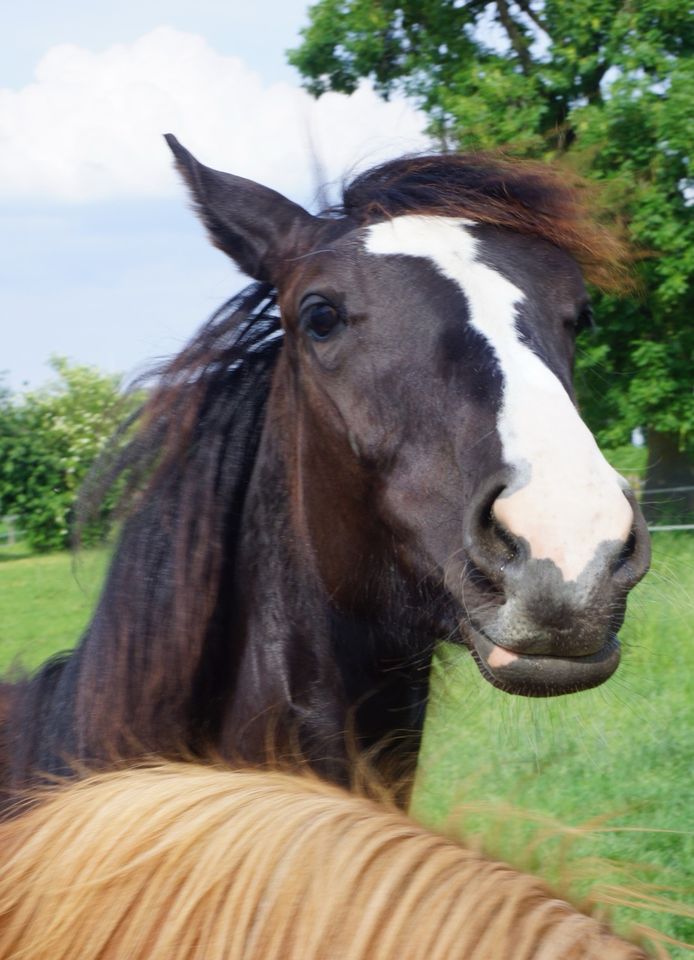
[256, 226]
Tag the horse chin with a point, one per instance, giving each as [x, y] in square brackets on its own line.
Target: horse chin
[541, 676]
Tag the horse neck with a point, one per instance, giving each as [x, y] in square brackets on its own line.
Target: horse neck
[270, 666]
[286, 692]
[308, 678]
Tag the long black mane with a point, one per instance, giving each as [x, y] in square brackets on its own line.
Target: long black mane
[186, 473]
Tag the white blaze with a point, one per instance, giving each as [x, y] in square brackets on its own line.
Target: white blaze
[565, 499]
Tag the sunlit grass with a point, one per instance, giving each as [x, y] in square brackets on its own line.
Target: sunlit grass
[45, 602]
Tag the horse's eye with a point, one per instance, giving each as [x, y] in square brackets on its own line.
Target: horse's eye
[319, 318]
[584, 320]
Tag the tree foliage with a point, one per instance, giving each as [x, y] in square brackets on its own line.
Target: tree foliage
[600, 86]
[49, 438]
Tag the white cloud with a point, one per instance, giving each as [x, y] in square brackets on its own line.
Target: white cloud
[90, 125]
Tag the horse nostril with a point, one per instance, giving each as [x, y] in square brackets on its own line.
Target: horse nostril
[492, 546]
[507, 540]
[634, 558]
[489, 543]
[487, 520]
[627, 551]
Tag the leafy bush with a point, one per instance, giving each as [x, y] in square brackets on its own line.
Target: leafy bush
[49, 439]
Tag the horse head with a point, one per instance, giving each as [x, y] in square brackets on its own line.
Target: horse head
[438, 470]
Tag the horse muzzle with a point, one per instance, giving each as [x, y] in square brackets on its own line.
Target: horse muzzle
[541, 675]
[535, 633]
[548, 637]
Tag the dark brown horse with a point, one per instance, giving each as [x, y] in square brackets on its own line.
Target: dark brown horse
[372, 448]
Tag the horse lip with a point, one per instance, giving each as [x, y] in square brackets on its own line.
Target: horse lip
[543, 675]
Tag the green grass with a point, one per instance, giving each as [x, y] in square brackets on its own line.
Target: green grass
[617, 757]
[45, 602]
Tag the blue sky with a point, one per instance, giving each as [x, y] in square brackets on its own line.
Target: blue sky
[102, 260]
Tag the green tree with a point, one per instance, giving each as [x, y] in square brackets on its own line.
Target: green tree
[49, 438]
[600, 86]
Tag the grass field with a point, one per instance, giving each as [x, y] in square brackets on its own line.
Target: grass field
[45, 601]
[618, 759]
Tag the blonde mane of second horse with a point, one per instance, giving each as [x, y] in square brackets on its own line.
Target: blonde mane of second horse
[178, 861]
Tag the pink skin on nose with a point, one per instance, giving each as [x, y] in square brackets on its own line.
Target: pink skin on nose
[499, 657]
[570, 500]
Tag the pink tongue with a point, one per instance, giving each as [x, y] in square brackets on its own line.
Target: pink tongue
[500, 657]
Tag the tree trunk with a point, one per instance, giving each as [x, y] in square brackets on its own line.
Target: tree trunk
[668, 470]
